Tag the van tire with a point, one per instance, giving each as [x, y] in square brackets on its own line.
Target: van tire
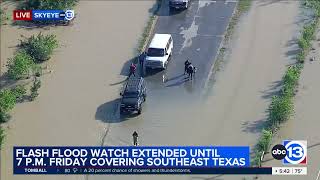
[139, 110]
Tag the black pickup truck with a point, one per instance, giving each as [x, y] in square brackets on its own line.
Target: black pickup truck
[133, 95]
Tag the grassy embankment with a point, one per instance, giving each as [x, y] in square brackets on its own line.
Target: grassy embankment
[148, 28]
[282, 107]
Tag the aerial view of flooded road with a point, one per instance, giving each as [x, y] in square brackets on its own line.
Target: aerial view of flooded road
[175, 106]
[79, 102]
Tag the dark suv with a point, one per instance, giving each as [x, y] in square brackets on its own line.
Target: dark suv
[179, 4]
[133, 95]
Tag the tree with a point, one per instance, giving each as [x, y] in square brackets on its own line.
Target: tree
[20, 65]
[7, 100]
[40, 47]
[280, 109]
[7, 103]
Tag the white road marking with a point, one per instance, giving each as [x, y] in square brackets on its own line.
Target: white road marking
[230, 1]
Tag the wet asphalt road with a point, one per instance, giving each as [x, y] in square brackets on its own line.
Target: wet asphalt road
[197, 34]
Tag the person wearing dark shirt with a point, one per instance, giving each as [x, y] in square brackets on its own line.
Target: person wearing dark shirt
[186, 65]
[135, 138]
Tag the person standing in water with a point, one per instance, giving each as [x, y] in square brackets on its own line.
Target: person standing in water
[135, 138]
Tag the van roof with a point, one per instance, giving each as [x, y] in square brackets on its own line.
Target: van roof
[159, 40]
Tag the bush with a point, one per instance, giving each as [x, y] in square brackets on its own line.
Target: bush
[308, 31]
[292, 75]
[40, 47]
[280, 109]
[48, 4]
[264, 141]
[4, 117]
[304, 44]
[34, 89]
[20, 65]
[300, 56]
[37, 70]
[256, 160]
[7, 100]
[7, 103]
[19, 91]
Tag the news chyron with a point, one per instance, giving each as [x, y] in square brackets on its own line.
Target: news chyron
[291, 152]
[39, 15]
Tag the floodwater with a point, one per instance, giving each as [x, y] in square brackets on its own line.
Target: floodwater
[304, 125]
[78, 103]
[235, 109]
[93, 54]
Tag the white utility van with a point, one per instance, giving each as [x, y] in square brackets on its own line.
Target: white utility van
[159, 51]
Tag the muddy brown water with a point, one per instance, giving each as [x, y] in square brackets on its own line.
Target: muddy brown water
[78, 103]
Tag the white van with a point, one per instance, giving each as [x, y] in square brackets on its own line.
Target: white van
[159, 51]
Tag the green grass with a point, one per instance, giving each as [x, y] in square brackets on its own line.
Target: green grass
[282, 107]
[146, 33]
[244, 6]
[148, 28]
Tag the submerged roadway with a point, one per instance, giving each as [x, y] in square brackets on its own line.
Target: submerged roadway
[173, 113]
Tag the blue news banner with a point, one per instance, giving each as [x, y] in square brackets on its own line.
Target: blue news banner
[134, 160]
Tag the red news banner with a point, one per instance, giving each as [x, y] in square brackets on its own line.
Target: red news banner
[25, 15]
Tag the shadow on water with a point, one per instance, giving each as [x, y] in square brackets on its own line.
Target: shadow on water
[293, 49]
[254, 127]
[109, 113]
[175, 77]
[274, 89]
[179, 82]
